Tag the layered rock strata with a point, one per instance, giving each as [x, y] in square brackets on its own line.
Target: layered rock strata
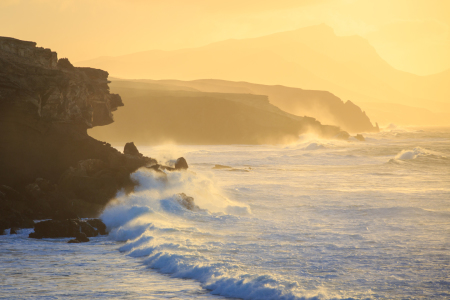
[49, 166]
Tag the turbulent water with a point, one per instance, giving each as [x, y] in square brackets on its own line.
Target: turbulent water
[316, 219]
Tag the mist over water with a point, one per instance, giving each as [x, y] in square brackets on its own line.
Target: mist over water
[317, 219]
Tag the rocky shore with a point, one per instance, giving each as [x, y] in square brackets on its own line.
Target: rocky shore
[50, 168]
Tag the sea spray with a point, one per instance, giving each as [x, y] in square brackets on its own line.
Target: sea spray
[156, 226]
[332, 223]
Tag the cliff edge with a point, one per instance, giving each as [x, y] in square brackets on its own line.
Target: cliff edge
[49, 166]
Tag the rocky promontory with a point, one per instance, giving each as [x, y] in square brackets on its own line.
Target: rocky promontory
[50, 168]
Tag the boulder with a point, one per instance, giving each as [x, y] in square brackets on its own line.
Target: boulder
[181, 164]
[131, 149]
[80, 237]
[97, 223]
[67, 228]
[87, 229]
[55, 229]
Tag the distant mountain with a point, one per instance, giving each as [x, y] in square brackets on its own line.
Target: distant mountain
[157, 113]
[324, 106]
[309, 58]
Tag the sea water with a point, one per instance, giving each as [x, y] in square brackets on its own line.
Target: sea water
[318, 219]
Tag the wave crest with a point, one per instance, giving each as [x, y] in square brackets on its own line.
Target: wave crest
[418, 152]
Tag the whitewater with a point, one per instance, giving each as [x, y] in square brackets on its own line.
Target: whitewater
[318, 219]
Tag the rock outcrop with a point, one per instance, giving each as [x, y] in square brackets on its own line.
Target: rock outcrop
[68, 228]
[80, 237]
[49, 166]
[131, 149]
[181, 164]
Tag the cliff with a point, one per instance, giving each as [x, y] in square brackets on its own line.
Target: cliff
[50, 166]
[158, 113]
[321, 105]
[33, 80]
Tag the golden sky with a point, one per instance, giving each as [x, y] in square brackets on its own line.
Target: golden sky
[412, 35]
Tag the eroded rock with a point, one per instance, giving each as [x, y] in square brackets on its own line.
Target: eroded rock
[46, 107]
[131, 149]
[80, 237]
[181, 164]
[67, 228]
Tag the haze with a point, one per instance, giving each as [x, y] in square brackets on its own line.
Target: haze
[412, 35]
[391, 58]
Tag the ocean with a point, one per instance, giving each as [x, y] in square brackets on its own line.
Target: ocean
[318, 219]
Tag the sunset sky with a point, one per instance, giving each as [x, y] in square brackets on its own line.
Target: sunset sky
[412, 35]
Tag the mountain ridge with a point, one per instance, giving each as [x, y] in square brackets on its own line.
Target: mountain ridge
[309, 58]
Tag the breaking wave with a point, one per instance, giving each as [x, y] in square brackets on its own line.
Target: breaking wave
[171, 239]
[410, 154]
[418, 152]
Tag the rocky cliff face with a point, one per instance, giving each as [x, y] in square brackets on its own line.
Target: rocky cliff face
[33, 79]
[48, 164]
[321, 105]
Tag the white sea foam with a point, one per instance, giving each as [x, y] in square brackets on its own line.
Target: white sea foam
[139, 218]
[298, 242]
[409, 154]
[418, 152]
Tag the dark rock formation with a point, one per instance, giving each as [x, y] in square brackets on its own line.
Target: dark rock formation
[50, 166]
[98, 224]
[157, 168]
[181, 164]
[80, 237]
[68, 228]
[131, 149]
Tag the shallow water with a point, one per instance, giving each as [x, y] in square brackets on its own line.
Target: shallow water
[317, 219]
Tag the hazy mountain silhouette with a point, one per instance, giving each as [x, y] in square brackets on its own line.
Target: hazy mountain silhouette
[158, 113]
[309, 58]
